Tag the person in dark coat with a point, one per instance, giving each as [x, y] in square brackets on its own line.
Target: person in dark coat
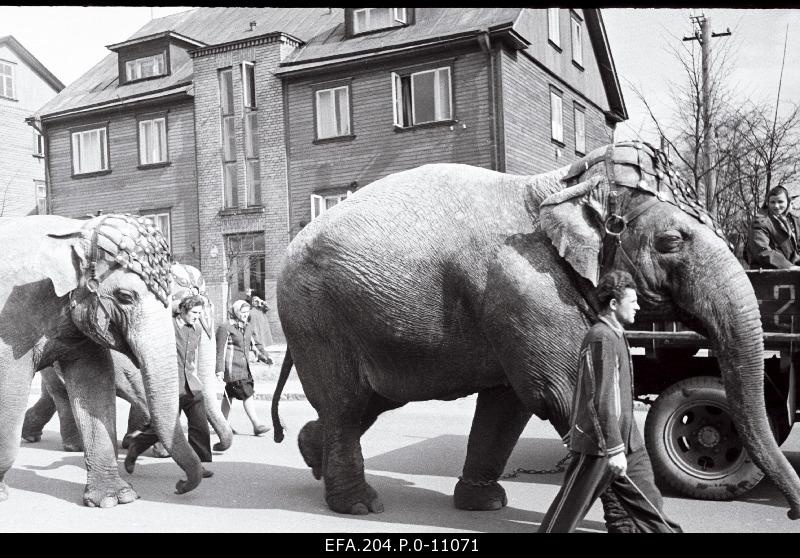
[608, 450]
[234, 341]
[190, 392]
[258, 317]
[772, 243]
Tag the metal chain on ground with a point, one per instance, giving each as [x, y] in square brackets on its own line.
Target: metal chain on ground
[559, 468]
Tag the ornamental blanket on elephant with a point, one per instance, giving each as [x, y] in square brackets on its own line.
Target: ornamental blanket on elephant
[447, 280]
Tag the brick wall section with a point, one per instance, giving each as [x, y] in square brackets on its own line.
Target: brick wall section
[128, 189]
[18, 166]
[526, 106]
[377, 149]
[273, 220]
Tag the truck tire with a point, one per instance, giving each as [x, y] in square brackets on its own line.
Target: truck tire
[693, 443]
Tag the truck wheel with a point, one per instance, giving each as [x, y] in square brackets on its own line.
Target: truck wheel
[693, 443]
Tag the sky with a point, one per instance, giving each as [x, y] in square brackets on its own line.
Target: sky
[69, 40]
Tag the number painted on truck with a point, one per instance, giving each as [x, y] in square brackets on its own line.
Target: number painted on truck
[777, 294]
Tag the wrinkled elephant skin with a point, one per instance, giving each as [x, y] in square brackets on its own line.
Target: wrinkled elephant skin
[447, 280]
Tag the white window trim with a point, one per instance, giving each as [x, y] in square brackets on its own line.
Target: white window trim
[133, 68]
[245, 86]
[38, 144]
[40, 200]
[154, 218]
[397, 97]
[318, 202]
[13, 67]
[576, 26]
[553, 27]
[345, 118]
[143, 144]
[401, 15]
[398, 15]
[556, 117]
[104, 146]
[580, 148]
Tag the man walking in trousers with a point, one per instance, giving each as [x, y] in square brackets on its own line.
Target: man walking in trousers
[608, 448]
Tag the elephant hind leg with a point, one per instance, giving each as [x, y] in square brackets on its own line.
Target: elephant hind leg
[15, 385]
[500, 417]
[37, 416]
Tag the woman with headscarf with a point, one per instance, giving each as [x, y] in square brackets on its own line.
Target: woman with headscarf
[234, 341]
[773, 242]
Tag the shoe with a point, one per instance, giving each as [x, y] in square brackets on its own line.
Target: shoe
[261, 429]
[207, 473]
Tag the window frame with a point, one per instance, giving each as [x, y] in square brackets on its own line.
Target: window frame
[322, 198]
[333, 86]
[556, 93]
[13, 68]
[554, 27]
[576, 22]
[107, 144]
[41, 202]
[228, 165]
[163, 53]
[579, 109]
[394, 16]
[38, 144]
[150, 213]
[398, 103]
[248, 88]
[152, 117]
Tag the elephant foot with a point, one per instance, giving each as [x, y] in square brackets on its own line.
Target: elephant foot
[358, 502]
[109, 495]
[222, 445]
[479, 495]
[3, 492]
[309, 440]
[128, 438]
[72, 446]
[31, 438]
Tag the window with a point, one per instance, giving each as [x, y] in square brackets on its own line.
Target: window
[146, 67]
[577, 40]
[246, 264]
[7, 79]
[369, 19]
[333, 112]
[253, 167]
[321, 204]
[162, 223]
[38, 144]
[248, 85]
[553, 30]
[228, 131]
[422, 97]
[40, 192]
[580, 130]
[556, 118]
[90, 151]
[153, 141]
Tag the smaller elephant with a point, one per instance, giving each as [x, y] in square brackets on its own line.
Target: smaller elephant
[129, 385]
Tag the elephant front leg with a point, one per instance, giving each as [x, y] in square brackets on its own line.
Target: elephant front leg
[38, 416]
[15, 385]
[90, 384]
[500, 417]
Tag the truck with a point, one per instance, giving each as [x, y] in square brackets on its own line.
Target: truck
[689, 434]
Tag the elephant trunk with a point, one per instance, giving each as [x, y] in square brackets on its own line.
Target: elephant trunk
[206, 368]
[154, 347]
[732, 319]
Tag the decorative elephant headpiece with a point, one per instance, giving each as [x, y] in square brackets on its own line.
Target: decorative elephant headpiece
[586, 220]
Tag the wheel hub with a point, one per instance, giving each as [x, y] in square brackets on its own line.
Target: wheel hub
[708, 436]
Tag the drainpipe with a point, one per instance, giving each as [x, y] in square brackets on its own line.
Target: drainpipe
[36, 124]
[485, 42]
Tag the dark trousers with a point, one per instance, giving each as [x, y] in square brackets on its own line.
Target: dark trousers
[588, 476]
[194, 408]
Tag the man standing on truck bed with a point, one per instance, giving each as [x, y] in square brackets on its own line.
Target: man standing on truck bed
[608, 448]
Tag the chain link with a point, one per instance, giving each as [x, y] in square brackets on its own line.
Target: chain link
[559, 468]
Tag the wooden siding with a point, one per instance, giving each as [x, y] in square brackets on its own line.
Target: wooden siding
[127, 188]
[526, 119]
[377, 149]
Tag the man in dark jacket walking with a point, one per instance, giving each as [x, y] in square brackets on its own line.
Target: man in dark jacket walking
[608, 448]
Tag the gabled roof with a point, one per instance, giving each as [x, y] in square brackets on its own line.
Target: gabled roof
[99, 87]
[32, 62]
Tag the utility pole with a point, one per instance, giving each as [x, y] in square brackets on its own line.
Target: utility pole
[703, 35]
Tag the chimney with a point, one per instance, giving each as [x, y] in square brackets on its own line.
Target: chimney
[253, 25]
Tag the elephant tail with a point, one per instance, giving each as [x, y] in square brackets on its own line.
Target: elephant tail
[276, 397]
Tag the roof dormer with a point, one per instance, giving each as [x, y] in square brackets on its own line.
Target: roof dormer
[151, 56]
[359, 21]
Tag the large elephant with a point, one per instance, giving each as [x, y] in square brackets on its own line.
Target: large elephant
[70, 291]
[446, 280]
[54, 398]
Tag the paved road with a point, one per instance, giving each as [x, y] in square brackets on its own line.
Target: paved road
[413, 456]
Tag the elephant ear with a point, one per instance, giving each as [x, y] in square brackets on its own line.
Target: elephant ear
[572, 219]
[68, 258]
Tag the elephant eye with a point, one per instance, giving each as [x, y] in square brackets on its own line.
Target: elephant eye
[125, 296]
[669, 242]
